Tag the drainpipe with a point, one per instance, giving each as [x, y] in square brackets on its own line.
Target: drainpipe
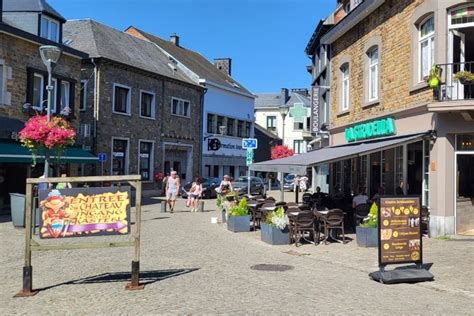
[201, 134]
[96, 106]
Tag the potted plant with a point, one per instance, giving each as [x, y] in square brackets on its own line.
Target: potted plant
[274, 230]
[367, 233]
[239, 218]
[464, 77]
[226, 202]
[433, 78]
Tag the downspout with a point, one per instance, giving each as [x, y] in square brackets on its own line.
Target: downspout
[96, 104]
[201, 134]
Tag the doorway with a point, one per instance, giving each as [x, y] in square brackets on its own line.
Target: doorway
[465, 194]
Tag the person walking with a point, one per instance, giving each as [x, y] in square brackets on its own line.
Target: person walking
[195, 194]
[172, 189]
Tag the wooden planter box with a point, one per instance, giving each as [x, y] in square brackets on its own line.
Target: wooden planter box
[367, 236]
[238, 224]
[273, 235]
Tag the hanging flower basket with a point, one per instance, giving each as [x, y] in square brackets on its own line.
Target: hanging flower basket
[39, 133]
[464, 77]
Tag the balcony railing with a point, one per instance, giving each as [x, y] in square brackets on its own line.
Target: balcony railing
[457, 82]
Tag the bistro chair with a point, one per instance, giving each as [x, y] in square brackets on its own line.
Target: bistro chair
[255, 215]
[305, 207]
[425, 220]
[332, 221]
[292, 204]
[303, 223]
[360, 212]
[307, 198]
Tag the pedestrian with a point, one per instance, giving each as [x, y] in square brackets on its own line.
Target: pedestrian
[360, 198]
[303, 184]
[195, 194]
[225, 186]
[399, 189]
[63, 185]
[296, 183]
[172, 189]
[165, 179]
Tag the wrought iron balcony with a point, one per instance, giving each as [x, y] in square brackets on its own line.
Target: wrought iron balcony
[456, 82]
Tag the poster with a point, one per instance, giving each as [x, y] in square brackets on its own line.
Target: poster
[399, 230]
[81, 212]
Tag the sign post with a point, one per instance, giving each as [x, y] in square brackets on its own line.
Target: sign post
[250, 144]
[400, 240]
[102, 159]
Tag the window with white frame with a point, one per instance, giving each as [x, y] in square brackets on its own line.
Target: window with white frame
[345, 84]
[146, 160]
[65, 94]
[49, 29]
[298, 146]
[147, 104]
[83, 105]
[373, 56]
[38, 91]
[122, 99]
[54, 96]
[181, 107]
[426, 42]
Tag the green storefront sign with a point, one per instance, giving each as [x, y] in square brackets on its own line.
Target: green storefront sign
[372, 129]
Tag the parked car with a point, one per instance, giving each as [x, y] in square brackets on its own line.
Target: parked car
[257, 186]
[209, 186]
[288, 184]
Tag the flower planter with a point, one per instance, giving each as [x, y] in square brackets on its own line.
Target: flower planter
[273, 235]
[367, 236]
[238, 224]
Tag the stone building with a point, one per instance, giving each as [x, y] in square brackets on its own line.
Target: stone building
[24, 27]
[138, 108]
[382, 53]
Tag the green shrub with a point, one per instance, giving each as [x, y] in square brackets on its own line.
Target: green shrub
[241, 209]
[372, 218]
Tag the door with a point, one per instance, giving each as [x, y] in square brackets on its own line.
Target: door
[465, 194]
[457, 58]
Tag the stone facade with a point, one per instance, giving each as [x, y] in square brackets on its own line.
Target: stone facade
[172, 136]
[391, 23]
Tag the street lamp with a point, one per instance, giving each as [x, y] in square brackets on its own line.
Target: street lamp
[283, 112]
[50, 56]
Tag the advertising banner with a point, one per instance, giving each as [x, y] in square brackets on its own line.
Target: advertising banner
[399, 230]
[81, 212]
[315, 110]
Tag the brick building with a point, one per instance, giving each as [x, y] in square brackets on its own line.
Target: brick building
[137, 108]
[24, 27]
[381, 55]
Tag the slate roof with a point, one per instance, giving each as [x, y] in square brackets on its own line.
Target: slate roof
[273, 100]
[31, 6]
[99, 40]
[195, 62]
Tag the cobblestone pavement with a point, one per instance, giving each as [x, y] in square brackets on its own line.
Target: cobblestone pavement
[193, 266]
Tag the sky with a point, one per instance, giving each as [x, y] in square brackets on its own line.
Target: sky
[266, 39]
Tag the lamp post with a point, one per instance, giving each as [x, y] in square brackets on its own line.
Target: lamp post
[283, 112]
[50, 56]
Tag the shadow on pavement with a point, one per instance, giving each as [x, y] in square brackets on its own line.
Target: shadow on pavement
[146, 277]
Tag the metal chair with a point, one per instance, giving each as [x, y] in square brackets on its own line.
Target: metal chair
[333, 220]
[303, 223]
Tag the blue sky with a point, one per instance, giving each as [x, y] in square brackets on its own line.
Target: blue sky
[265, 38]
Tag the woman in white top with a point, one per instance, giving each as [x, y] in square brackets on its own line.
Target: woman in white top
[195, 194]
[225, 186]
[360, 198]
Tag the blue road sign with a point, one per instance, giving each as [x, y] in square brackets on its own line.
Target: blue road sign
[102, 157]
[249, 143]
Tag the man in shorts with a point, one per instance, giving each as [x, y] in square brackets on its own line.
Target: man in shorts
[172, 189]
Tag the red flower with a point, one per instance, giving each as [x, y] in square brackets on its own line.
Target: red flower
[281, 151]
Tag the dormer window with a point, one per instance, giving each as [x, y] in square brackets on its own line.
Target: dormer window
[49, 29]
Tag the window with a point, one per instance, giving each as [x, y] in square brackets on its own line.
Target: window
[181, 107]
[271, 123]
[230, 127]
[427, 37]
[298, 146]
[38, 89]
[211, 119]
[308, 124]
[345, 87]
[54, 96]
[220, 123]
[65, 94]
[297, 126]
[248, 126]
[147, 104]
[83, 105]
[122, 99]
[119, 157]
[373, 56]
[49, 29]
[1, 85]
[240, 129]
[146, 160]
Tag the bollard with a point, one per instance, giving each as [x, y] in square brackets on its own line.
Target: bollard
[201, 206]
[163, 206]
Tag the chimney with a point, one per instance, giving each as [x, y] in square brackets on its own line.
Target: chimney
[284, 96]
[174, 39]
[224, 65]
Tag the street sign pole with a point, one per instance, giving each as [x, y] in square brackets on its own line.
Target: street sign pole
[250, 144]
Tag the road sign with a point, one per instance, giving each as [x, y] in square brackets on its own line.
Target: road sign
[249, 143]
[249, 156]
[102, 157]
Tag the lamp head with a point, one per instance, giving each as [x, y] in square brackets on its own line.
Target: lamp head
[50, 55]
[284, 111]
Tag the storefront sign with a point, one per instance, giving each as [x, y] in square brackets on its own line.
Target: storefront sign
[372, 129]
[225, 146]
[399, 230]
[315, 110]
[80, 212]
[298, 112]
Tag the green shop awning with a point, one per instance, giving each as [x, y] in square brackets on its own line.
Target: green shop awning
[15, 153]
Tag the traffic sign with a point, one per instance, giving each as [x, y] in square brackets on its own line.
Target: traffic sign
[249, 156]
[102, 157]
[249, 143]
